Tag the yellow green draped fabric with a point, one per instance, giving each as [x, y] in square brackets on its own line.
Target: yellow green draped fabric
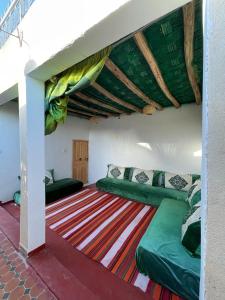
[73, 79]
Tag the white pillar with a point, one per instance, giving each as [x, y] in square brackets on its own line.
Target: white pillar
[31, 120]
[213, 160]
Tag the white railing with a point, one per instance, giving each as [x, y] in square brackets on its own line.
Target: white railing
[12, 17]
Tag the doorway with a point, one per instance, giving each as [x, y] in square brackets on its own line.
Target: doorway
[80, 160]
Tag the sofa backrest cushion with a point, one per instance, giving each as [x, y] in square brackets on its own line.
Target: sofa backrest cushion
[115, 172]
[194, 193]
[142, 176]
[159, 178]
[191, 232]
[178, 181]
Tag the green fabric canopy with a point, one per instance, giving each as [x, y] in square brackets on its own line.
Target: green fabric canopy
[73, 79]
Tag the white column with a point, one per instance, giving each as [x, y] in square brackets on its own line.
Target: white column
[31, 120]
[213, 160]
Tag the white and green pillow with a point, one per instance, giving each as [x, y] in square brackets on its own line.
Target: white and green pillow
[177, 181]
[191, 232]
[115, 172]
[194, 193]
[142, 176]
[49, 179]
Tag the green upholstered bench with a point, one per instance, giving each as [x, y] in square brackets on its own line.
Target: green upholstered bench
[161, 256]
[59, 189]
[151, 195]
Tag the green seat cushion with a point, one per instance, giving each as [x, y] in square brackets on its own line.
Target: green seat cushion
[147, 194]
[59, 189]
[161, 256]
[62, 188]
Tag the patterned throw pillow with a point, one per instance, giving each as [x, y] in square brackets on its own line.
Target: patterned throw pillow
[115, 172]
[142, 176]
[49, 177]
[194, 193]
[178, 182]
[191, 232]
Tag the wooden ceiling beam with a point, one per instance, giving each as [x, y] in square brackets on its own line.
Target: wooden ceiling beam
[79, 115]
[111, 66]
[189, 28]
[90, 109]
[115, 99]
[150, 59]
[87, 114]
[99, 103]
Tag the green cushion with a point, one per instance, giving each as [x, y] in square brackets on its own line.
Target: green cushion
[140, 192]
[191, 231]
[59, 189]
[161, 256]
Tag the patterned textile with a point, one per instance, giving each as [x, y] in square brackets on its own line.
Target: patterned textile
[49, 177]
[115, 172]
[107, 229]
[191, 231]
[142, 176]
[75, 78]
[194, 194]
[178, 182]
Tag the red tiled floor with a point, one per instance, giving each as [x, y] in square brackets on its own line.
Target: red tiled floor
[13, 285]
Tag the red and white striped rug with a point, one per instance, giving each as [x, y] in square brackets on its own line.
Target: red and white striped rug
[107, 228]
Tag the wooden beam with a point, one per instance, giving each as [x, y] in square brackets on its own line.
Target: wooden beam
[129, 84]
[74, 114]
[189, 28]
[90, 109]
[150, 59]
[114, 98]
[87, 114]
[99, 103]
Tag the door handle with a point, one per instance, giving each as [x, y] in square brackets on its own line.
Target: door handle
[80, 158]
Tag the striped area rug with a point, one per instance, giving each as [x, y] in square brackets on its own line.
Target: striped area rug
[107, 228]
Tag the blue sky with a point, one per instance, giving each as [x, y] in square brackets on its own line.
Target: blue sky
[3, 5]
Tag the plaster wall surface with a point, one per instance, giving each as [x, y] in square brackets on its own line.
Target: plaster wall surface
[58, 145]
[213, 162]
[168, 140]
[9, 150]
[58, 148]
[59, 34]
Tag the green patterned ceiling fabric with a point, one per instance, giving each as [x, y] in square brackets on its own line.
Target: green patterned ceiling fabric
[73, 79]
[165, 38]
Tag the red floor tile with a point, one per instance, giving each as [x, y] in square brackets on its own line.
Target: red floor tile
[13, 285]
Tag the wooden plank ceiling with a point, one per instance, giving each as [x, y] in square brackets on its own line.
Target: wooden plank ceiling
[156, 67]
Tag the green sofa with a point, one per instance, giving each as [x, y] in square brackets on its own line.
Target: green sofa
[160, 253]
[58, 189]
[161, 256]
[151, 195]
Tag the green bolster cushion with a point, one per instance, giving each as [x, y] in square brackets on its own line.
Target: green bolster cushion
[191, 231]
[161, 256]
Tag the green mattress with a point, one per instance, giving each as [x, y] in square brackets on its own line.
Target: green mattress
[59, 189]
[151, 195]
[161, 256]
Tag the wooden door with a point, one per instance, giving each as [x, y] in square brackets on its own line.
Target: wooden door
[80, 160]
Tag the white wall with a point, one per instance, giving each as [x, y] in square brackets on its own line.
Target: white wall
[58, 148]
[9, 150]
[166, 140]
[58, 145]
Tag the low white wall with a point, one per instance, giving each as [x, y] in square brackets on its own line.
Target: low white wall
[58, 148]
[168, 140]
[58, 145]
[9, 150]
